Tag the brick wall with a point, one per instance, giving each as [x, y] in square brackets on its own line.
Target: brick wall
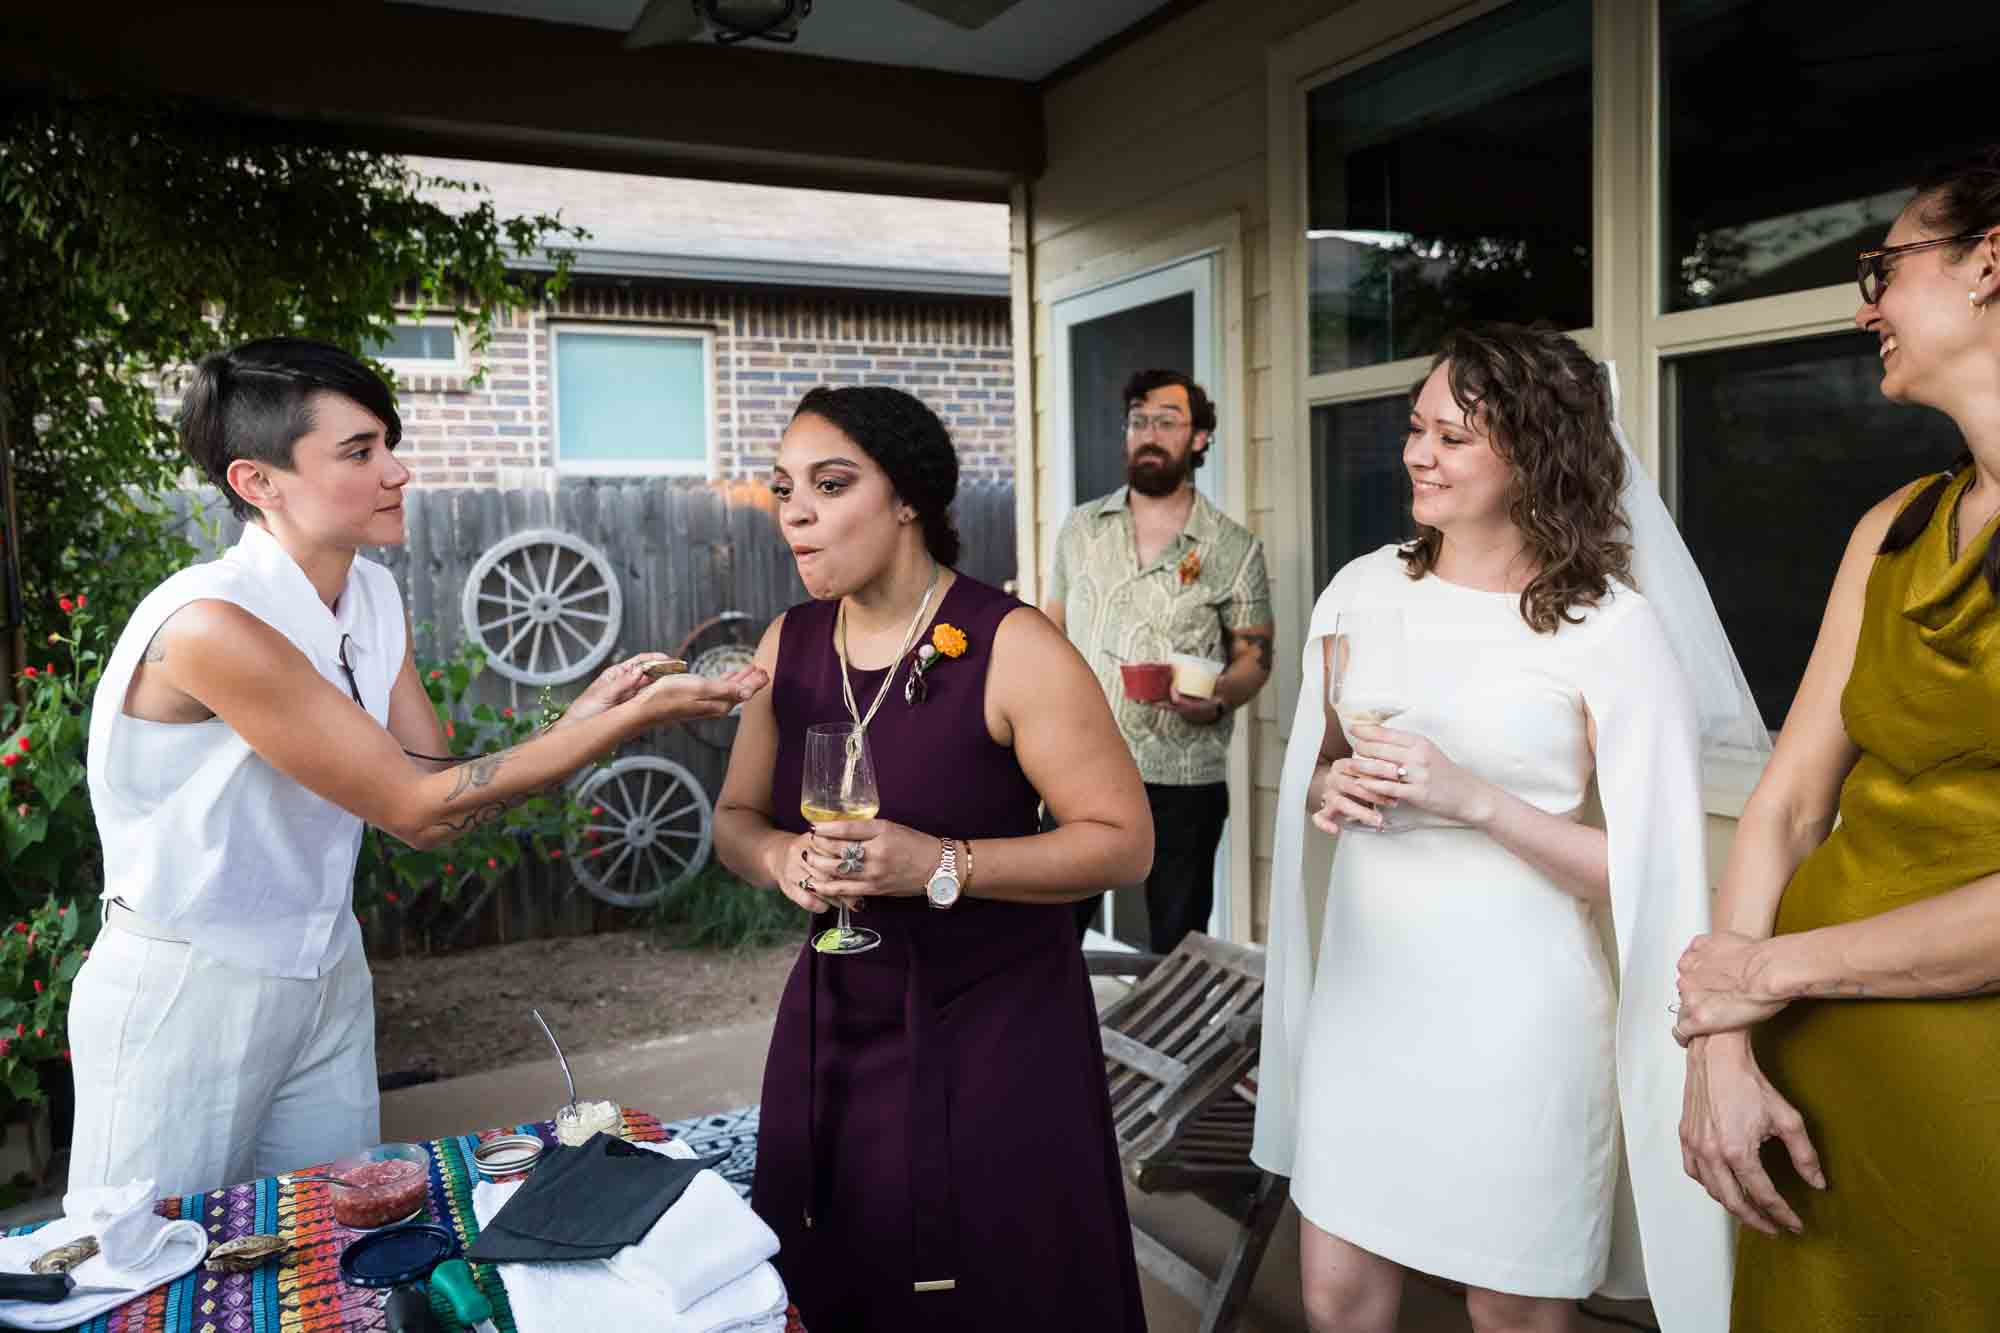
[770, 346]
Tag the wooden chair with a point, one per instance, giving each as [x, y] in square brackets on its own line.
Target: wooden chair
[1175, 1050]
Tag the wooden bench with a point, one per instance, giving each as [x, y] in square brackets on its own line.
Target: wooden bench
[1175, 1050]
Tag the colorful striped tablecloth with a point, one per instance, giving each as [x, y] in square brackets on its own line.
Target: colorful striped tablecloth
[302, 1292]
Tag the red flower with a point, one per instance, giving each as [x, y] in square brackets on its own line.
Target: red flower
[492, 864]
[40, 1032]
[391, 896]
[596, 810]
[49, 670]
[437, 675]
[449, 731]
[507, 712]
[9, 760]
[25, 744]
[81, 602]
[29, 672]
[62, 911]
[555, 854]
[20, 1029]
[65, 1052]
[450, 869]
[38, 986]
[6, 1045]
[20, 927]
[66, 604]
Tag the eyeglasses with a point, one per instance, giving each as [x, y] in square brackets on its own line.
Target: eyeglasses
[1139, 423]
[347, 669]
[1873, 270]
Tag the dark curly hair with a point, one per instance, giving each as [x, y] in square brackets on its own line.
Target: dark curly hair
[1953, 199]
[1201, 410]
[1546, 406]
[255, 401]
[907, 441]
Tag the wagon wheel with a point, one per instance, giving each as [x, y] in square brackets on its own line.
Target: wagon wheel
[714, 648]
[544, 605]
[650, 830]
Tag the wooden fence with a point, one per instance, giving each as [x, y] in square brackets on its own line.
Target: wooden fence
[684, 552]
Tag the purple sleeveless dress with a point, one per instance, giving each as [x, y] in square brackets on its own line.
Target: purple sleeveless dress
[938, 1106]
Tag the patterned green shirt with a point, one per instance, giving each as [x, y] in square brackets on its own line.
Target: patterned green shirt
[1209, 579]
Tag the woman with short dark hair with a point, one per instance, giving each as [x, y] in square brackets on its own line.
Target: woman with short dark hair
[257, 711]
[1460, 1083]
[1866, 867]
[936, 1149]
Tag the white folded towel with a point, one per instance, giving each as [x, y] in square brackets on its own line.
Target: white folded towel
[137, 1251]
[707, 1240]
[589, 1293]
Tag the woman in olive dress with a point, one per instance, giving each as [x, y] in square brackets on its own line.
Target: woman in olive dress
[1859, 1144]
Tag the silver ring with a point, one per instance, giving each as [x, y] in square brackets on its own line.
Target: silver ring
[806, 883]
[1673, 1008]
[851, 858]
[1401, 773]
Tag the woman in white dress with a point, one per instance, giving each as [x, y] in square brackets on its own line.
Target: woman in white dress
[1461, 1084]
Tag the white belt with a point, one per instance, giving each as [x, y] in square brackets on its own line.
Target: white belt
[118, 914]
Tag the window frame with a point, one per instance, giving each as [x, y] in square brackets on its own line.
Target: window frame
[705, 467]
[1632, 325]
[458, 367]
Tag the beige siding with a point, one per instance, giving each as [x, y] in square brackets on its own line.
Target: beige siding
[1166, 135]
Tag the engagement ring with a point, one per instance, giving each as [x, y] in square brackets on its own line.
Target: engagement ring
[1401, 773]
[806, 883]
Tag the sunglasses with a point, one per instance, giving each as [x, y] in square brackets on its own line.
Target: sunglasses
[1873, 270]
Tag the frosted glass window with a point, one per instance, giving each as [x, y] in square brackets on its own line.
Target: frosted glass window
[631, 402]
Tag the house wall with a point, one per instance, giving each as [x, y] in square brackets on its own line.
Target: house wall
[1164, 138]
[769, 347]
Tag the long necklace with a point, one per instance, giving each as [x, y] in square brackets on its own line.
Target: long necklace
[861, 720]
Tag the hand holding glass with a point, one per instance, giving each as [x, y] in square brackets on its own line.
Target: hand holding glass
[1367, 668]
[839, 784]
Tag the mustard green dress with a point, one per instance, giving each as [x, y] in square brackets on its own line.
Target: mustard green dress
[1901, 1097]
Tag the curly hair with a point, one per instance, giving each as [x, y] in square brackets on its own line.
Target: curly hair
[908, 442]
[1953, 199]
[1201, 410]
[1546, 406]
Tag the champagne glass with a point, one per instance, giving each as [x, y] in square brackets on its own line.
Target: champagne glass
[839, 784]
[1369, 669]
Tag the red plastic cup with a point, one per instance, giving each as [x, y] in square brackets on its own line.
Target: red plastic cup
[1146, 682]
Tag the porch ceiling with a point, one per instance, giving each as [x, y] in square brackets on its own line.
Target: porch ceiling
[457, 82]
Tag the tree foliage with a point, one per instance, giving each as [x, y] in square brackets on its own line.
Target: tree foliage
[136, 236]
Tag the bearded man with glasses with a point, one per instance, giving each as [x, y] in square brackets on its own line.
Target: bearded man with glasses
[1153, 570]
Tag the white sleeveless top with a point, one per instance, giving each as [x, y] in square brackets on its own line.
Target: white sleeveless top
[200, 834]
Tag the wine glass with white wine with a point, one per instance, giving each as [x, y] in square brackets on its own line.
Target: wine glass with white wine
[839, 784]
[1368, 668]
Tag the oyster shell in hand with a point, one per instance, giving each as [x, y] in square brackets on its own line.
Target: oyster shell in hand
[244, 1253]
[65, 1257]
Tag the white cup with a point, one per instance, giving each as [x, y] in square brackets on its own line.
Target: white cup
[1195, 676]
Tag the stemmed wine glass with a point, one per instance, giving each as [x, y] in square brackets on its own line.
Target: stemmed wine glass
[1368, 668]
[839, 784]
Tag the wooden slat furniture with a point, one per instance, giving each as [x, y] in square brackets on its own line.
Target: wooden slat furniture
[1174, 1050]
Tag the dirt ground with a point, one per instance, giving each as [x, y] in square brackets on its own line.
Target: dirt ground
[461, 1013]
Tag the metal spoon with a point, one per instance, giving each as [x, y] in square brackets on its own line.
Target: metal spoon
[561, 1059]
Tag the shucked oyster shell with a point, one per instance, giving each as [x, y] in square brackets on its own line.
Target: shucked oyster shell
[65, 1257]
[244, 1253]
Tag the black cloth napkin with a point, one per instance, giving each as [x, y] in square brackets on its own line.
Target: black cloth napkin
[586, 1203]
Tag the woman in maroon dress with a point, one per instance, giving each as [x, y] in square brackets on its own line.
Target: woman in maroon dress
[936, 1148]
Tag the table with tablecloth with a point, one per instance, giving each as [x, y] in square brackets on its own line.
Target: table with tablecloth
[302, 1292]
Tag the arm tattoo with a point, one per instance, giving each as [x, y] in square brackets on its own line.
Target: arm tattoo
[478, 772]
[155, 651]
[1262, 642]
[473, 776]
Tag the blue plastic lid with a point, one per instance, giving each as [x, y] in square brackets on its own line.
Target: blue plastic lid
[396, 1255]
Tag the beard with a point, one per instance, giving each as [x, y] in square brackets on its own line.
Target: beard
[1153, 471]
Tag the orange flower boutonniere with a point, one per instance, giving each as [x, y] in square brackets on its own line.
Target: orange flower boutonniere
[946, 641]
[1191, 566]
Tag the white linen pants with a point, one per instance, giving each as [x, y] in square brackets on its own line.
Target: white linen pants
[198, 1075]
